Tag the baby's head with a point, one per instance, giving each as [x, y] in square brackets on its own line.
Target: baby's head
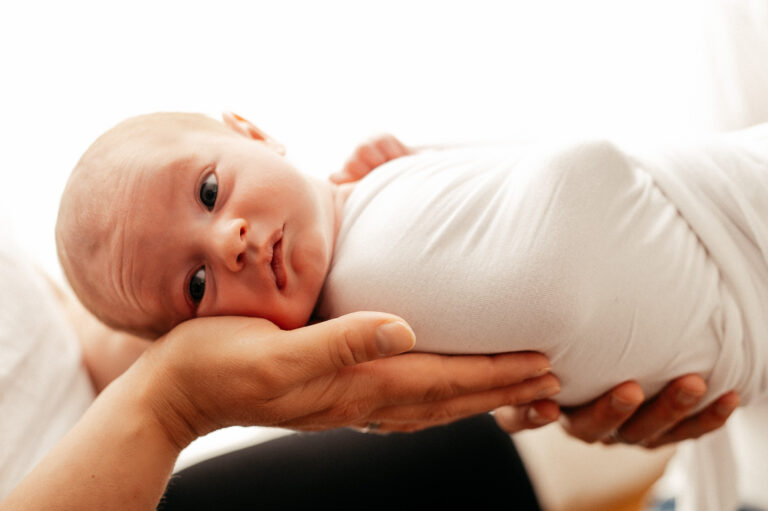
[169, 216]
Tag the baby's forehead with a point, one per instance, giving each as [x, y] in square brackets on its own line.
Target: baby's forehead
[160, 141]
[107, 195]
[162, 166]
[137, 254]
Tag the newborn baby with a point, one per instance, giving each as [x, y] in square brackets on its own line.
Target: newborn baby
[171, 216]
[614, 265]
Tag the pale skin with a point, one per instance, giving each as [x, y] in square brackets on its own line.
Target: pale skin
[340, 372]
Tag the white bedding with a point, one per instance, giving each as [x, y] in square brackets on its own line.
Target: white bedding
[44, 387]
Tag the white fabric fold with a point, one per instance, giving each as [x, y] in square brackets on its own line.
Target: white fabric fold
[617, 261]
[720, 187]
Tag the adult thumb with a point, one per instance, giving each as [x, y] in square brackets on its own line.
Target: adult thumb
[351, 339]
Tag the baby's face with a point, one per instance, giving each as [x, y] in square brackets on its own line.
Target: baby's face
[218, 224]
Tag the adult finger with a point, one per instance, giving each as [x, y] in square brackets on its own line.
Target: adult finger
[513, 419]
[600, 418]
[416, 386]
[466, 405]
[671, 406]
[427, 377]
[711, 418]
[328, 346]
[426, 414]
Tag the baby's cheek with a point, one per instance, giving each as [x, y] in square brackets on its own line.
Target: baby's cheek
[296, 308]
[237, 297]
[294, 316]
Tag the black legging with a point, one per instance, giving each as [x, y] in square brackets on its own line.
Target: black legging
[470, 463]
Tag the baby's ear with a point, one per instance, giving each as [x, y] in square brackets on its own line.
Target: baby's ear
[249, 130]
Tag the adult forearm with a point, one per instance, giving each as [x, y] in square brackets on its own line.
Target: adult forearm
[116, 457]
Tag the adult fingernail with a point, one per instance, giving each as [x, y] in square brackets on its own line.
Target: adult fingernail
[504, 415]
[622, 405]
[684, 398]
[724, 410]
[534, 417]
[394, 337]
[547, 392]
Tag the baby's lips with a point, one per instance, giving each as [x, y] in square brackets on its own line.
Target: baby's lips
[278, 266]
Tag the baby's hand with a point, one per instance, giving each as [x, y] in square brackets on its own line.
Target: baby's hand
[369, 155]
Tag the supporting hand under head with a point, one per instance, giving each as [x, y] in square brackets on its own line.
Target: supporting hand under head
[213, 372]
[326, 375]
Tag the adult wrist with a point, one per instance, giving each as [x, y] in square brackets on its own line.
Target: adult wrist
[159, 401]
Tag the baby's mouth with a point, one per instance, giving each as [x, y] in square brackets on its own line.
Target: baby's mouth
[278, 268]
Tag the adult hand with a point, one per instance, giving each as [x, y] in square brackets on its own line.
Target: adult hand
[214, 372]
[620, 414]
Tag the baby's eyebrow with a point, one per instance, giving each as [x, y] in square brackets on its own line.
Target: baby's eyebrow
[180, 163]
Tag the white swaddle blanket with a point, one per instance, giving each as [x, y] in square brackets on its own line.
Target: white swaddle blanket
[617, 263]
[614, 265]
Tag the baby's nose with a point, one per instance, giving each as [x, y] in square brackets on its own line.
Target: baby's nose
[231, 243]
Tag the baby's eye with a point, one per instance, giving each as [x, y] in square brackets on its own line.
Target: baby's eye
[197, 286]
[208, 191]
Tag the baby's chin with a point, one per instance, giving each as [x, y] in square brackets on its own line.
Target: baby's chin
[296, 317]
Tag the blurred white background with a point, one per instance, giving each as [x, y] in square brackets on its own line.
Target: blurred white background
[322, 76]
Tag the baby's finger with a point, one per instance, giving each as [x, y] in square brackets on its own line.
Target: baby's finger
[600, 418]
[402, 147]
[370, 154]
[711, 418]
[340, 177]
[391, 147]
[513, 419]
[353, 170]
[674, 403]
